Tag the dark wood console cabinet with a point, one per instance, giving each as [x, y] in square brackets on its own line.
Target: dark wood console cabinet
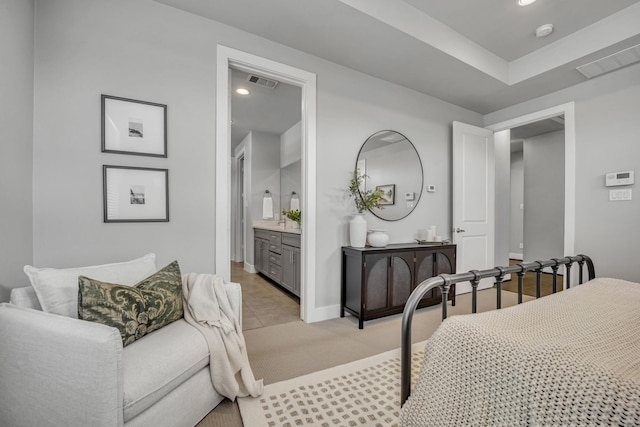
[377, 282]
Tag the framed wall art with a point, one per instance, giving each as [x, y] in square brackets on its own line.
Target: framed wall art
[133, 127]
[388, 194]
[133, 194]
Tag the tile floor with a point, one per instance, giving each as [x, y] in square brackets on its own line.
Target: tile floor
[263, 302]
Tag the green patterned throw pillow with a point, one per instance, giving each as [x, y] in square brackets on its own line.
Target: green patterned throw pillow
[135, 310]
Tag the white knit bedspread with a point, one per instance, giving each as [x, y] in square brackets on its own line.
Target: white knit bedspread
[569, 359]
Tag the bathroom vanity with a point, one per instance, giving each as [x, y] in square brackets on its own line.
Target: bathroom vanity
[277, 256]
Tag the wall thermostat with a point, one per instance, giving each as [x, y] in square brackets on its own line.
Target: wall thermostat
[613, 179]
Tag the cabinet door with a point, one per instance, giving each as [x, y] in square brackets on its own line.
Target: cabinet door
[376, 281]
[445, 264]
[257, 255]
[264, 256]
[296, 271]
[288, 268]
[425, 269]
[402, 271]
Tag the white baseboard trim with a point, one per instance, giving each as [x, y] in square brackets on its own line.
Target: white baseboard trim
[250, 268]
[324, 313]
[519, 257]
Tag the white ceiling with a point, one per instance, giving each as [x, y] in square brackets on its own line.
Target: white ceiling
[264, 109]
[507, 30]
[478, 54]
[540, 127]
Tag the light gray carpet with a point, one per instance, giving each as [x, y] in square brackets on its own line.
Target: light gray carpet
[293, 349]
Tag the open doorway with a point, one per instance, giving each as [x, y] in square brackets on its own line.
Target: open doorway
[266, 154]
[228, 58]
[565, 236]
[266, 143]
[238, 201]
[537, 190]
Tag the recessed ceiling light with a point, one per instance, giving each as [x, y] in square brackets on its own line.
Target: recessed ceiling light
[526, 2]
[242, 91]
[544, 30]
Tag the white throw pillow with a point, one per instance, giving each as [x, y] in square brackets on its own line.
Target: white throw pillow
[57, 289]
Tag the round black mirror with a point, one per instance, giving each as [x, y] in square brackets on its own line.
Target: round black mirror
[390, 162]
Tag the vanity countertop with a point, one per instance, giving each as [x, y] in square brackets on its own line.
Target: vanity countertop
[274, 226]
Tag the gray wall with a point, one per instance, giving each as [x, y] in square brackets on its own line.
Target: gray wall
[262, 172]
[134, 50]
[544, 196]
[502, 196]
[290, 181]
[16, 147]
[160, 54]
[517, 198]
[351, 107]
[607, 140]
[290, 165]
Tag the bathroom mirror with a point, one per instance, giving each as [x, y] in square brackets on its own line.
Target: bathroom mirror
[390, 162]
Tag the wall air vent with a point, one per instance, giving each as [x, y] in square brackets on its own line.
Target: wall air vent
[611, 63]
[262, 81]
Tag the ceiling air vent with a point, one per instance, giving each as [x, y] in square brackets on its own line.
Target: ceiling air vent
[262, 81]
[610, 63]
[392, 137]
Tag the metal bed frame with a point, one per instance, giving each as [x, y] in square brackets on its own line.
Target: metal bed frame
[444, 281]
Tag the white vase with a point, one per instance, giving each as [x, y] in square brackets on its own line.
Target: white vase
[289, 223]
[358, 231]
[378, 238]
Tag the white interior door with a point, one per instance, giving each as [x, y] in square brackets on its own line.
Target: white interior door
[473, 200]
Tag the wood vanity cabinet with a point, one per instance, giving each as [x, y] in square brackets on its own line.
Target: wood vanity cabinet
[277, 256]
[377, 282]
[261, 251]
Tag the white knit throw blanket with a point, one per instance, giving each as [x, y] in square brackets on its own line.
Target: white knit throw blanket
[207, 308]
[569, 359]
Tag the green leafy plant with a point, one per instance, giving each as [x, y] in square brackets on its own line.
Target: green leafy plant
[294, 215]
[366, 200]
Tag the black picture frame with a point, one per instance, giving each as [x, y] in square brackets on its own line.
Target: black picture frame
[135, 194]
[389, 194]
[134, 127]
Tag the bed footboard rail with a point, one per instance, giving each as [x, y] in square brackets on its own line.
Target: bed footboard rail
[444, 281]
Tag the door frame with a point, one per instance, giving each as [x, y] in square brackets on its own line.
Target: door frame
[238, 213]
[568, 110]
[515, 255]
[233, 58]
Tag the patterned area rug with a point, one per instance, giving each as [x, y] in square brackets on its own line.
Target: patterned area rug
[361, 393]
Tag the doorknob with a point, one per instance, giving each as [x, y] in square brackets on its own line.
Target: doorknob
[459, 230]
